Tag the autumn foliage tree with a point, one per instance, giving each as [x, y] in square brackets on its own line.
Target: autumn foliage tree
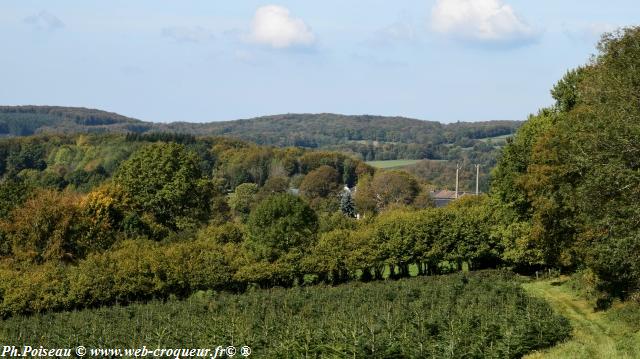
[385, 189]
[321, 183]
[45, 228]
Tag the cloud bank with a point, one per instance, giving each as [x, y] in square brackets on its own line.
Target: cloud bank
[486, 21]
[274, 26]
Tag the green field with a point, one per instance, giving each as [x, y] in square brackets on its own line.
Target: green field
[475, 315]
[614, 333]
[390, 164]
[497, 140]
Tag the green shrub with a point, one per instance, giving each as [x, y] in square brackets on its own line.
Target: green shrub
[35, 290]
[45, 227]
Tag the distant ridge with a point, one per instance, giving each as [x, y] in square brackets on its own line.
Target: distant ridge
[370, 137]
[29, 120]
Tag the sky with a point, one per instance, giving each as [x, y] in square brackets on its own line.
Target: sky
[212, 60]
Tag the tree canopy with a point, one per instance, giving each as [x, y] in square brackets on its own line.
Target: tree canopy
[279, 224]
[570, 176]
[164, 180]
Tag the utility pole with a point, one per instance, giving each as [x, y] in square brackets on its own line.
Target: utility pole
[477, 179]
[457, 176]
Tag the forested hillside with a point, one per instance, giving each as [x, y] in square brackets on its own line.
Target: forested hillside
[366, 137]
[369, 137]
[28, 120]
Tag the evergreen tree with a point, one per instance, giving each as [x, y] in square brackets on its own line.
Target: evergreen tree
[347, 206]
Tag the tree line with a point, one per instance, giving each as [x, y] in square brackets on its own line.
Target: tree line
[567, 185]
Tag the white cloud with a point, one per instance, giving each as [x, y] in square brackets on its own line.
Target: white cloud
[44, 20]
[274, 26]
[489, 21]
[187, 34]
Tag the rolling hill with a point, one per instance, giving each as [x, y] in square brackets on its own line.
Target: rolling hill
[29, 120]
[370, 137]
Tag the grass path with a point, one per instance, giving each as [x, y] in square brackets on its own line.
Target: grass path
[595, 334]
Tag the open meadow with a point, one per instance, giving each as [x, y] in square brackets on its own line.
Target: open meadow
[392, 163]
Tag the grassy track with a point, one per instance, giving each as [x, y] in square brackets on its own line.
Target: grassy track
[595, 334]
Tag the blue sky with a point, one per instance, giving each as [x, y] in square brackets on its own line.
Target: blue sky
[207, 60]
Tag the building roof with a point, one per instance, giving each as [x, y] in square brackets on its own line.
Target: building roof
[443, 194]
[446, 194]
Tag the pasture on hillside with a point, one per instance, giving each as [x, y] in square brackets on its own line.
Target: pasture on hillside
[392, 163]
